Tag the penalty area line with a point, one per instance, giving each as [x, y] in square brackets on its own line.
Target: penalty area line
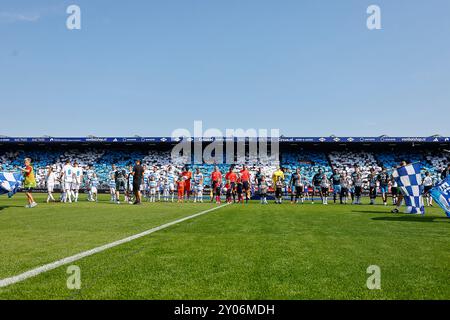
[47, 267]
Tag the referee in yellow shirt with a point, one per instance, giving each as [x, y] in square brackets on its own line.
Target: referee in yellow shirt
[277, 174]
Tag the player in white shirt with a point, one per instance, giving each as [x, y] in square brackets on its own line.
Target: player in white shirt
[112, 183]
[94, 182]
[147, 171]
[160, 190]
[198, 186]
[157, 176]
[153, 186]
[346, 182]
[325, 187]
[427, 186]
[66, 181]
[129, 193]
[89, 175]
[77, 180]
[171, 177]
[112, 190]
[166, 189]
[145, 183]
[51, 181]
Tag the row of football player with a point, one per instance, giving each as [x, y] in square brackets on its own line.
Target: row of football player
[342, 184]
[71, 178]
[353, 184]
[170, 174]
[154, 185]
[298, 194]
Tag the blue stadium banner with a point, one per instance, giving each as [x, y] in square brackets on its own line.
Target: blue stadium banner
[441, 195]
[282, 139]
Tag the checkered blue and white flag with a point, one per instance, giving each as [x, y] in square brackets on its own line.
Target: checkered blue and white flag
[10, 183]
[409, 180]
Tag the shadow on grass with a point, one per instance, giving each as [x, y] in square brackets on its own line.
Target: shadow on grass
[6, 207]
[370, 211]
[403, 217]
[413, 219]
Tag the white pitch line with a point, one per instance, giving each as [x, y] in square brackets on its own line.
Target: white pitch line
[47, 267]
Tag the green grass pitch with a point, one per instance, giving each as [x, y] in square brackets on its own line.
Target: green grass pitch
[236, 252]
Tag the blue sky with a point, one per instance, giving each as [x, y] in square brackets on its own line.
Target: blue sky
[309, 68]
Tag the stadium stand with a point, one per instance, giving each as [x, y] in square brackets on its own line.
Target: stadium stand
[346, 160]
[309, 162]
[431, 161]
[437, 161]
